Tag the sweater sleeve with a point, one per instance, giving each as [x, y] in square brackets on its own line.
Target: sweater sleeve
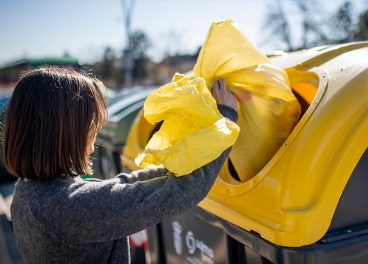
[141, 175]
[109, 210]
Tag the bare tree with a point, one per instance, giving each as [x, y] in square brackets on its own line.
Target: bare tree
[277, 22]
[315, 29]
[361, 32]
[140, 43]
[312, 24]
[108, 62]
[342, 26]
[168, 43]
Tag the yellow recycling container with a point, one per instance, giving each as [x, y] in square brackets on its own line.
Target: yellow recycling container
[292, 200]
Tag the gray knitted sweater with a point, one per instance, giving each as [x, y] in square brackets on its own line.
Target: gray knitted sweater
[70, 220]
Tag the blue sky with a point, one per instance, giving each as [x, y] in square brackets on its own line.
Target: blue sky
[40, 28]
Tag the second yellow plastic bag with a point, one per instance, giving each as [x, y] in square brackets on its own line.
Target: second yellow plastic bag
[268, 111]
[193, 133]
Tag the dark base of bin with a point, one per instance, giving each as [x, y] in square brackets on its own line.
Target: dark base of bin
[137, 255]
[199, 236]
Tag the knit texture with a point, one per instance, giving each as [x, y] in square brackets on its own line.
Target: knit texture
[70, 220]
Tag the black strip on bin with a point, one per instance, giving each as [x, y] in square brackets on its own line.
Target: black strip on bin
[348, 251]
[351, 211]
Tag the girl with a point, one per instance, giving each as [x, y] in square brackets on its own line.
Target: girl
[51, 124]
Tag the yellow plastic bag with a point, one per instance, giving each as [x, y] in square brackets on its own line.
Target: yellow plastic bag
[193, 133]
[268, 118]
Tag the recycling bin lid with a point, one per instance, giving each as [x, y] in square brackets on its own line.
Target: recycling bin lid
[291, 202]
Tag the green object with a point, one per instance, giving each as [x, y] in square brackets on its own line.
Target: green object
[42, 61]
[109, 92]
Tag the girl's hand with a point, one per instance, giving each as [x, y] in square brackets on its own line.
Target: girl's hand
[224, 96]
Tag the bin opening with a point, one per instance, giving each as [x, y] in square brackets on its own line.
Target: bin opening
[232, 171]
[305, 93]
[304, 90]
[303, 104]
[156, 128]
[304, 86]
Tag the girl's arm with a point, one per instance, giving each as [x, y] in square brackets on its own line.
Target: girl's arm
[89, 212]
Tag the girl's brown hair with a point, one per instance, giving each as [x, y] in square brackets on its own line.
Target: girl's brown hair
[52, 118]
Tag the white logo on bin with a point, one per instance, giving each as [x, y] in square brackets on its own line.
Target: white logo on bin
[192, 244]
[178, 245]
[189, 239]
